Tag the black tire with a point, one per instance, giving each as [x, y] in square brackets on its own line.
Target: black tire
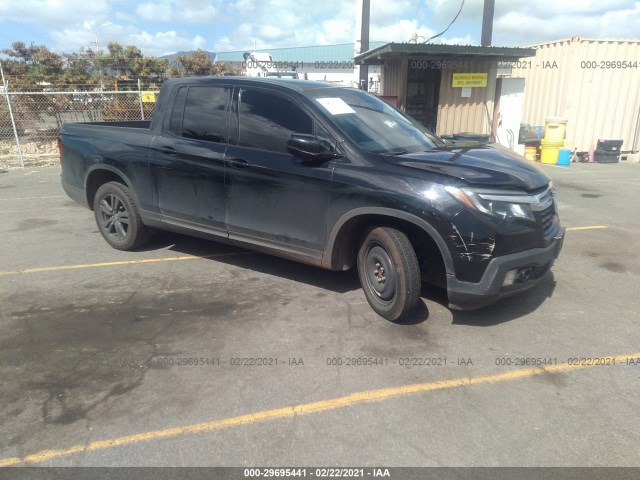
[118, 218]
[389, 273]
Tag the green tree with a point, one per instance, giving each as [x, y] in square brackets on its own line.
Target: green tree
[79, 70]
[128, 61]
[199, 63]
[28, 65]
[150, 67]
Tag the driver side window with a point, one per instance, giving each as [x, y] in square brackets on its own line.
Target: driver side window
[266, 120]
[325, 139]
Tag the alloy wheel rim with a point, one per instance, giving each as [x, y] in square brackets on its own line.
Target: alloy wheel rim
[114, 217]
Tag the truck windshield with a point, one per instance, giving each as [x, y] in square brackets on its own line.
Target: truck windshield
[373, 124]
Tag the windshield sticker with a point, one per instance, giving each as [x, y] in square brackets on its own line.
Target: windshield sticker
[335, 106]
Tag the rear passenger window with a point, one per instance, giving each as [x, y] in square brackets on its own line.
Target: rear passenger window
[266, 120]
[205, 114]
[175, 125]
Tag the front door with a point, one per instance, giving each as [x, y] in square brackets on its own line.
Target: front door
[273, 197]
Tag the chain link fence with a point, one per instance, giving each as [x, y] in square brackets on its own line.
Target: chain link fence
[30, 121]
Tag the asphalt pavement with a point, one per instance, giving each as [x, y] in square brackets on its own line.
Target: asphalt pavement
[192, 353]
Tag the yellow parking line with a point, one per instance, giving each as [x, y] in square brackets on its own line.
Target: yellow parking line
[33, 198]
[123, 262]
[169, 259]
[593, 227]
[304, 409]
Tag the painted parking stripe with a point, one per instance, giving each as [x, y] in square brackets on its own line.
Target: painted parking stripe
[123, 262]
[33, 198]
[592, 227]
[306, 409]
[168, 259]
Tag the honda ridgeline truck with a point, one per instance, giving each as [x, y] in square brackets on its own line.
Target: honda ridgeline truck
[329, 176]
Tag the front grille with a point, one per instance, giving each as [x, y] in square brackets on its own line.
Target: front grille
[545, 198]
[546, 216]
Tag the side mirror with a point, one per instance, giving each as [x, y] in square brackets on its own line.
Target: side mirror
[308, 147]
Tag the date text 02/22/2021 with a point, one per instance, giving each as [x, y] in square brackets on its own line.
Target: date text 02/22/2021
[294, 65]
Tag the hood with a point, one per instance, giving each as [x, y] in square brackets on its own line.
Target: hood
[477, 165]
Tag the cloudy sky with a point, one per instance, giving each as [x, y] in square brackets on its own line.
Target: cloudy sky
[160, 27]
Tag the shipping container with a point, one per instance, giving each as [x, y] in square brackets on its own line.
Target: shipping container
[593, 83]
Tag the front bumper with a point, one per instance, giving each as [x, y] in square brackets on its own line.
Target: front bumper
[469, 296]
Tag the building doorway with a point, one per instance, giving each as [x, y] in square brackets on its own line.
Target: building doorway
[423, 91]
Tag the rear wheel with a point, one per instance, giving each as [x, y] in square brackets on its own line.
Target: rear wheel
[118, 218]
[389, 273]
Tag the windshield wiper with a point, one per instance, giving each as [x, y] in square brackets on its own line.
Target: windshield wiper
[365, 107]
[397, 153]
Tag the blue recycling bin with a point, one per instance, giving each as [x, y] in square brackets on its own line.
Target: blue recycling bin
[564, 157]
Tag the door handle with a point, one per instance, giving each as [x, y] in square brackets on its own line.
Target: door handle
[238, 162]
[168, 150]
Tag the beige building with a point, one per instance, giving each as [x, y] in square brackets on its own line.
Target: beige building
[594, 83]
[448, 88]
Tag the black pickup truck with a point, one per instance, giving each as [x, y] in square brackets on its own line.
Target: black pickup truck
[329, 176]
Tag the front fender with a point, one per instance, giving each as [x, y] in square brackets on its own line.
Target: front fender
[327, 258]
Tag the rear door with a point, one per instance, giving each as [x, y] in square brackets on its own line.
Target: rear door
[188, 165]
[274, 198]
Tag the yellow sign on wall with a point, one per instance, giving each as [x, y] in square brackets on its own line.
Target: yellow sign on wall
[461, 80]
[148, 97]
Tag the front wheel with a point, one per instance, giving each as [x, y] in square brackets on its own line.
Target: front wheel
[118, 218]
[389, 273]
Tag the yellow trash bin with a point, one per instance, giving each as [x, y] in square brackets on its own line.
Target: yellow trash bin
[554, 129]
[549, 151]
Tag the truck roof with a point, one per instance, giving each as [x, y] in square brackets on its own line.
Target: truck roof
[289, 84]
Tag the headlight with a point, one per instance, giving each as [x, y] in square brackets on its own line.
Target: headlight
[502, 205]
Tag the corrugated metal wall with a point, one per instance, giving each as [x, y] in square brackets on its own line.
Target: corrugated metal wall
[391, 78]
[599, 101]
[473, 114]
[455, 114]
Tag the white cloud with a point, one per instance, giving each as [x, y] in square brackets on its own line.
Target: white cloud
[466, 40]
[154, 12]
[151, 43]
[400, 31]
[272, 33]
[520, 22]
[54, 14]
[125, 17]
[163, 42]
[288, 23]
[339, 30]
[175, 11]
[166, 26]
[385, 12]
[35, 22]
[445, 10]
[590, 20]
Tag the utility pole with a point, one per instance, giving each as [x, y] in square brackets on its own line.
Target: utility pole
[487, 22]
[364, 43]
[97, 44]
